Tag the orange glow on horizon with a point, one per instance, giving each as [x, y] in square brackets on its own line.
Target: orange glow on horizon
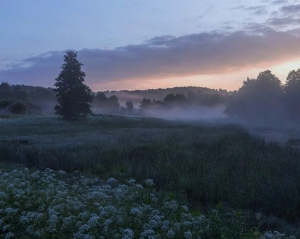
[231, 80]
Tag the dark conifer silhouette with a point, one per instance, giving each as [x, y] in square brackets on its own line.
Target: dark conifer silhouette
[72, 94]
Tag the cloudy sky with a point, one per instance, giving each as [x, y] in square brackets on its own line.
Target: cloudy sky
[139, 44]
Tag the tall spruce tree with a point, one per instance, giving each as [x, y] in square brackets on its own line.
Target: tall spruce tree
[73, 96]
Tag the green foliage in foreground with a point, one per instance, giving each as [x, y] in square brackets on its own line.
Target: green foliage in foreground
[209, 164]
[48, 205]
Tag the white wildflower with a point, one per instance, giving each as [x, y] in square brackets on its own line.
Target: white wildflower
[170, 234]
[147, 233]
[131, 181]
[9, 235]
[128, 234]
[188, 235]
[185, 208]
[48, 170]
[149, 182]
[61, 172]
[3, 195]
[172, 205]
[139, 186]
[39, 233]
[10, 186]
[93, 221]
[10, 210]
[84, 227]
[86, 236]
[107, 222]
[5, 228]
[135, 211]
[112, 180]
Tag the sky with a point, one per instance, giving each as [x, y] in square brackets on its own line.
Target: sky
[142, 44]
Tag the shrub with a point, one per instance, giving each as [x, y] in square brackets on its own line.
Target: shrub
[18, 108]
[6, 102]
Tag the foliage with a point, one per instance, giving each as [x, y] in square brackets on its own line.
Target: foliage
[19, 94]
[5, 90]
[113, 104]
[42, 97]
[103, 104]
[45, 98]
[145, 104]
[72, 94]
[259, 99]
[193, 101]
[6, 102]
[55, 205]
[12, 92]
[292, 95]
[129, 107]
[18, 108]
[159, 94]
[265, 98]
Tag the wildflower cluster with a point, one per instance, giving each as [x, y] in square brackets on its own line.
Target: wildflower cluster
[55, 205]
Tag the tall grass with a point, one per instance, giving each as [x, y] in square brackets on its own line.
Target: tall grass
[209, 164]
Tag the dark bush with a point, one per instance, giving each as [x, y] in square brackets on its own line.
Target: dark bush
[18, 108]
[6, 102]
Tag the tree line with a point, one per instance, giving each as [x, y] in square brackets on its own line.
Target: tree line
[265, 98]
[104, 104]
[101, 103]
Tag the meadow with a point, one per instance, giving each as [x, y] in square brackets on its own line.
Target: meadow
[207, 166]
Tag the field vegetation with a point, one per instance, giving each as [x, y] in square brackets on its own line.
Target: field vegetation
[203, 164]
[55, 205]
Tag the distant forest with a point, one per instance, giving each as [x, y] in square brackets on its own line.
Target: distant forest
[262, 99]
[124, 101]
[266, 99]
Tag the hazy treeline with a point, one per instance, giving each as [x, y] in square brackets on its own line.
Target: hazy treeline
[42, 97]
[13, 92]
[104, 104]
[265, 98]
[137, 102]
[262, 99]
[135, 96]
[148, 107]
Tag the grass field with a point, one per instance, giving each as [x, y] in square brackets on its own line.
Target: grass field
[204, 164]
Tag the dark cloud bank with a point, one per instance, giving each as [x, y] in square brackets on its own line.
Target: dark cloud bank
[167, 56]
[286, 16]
